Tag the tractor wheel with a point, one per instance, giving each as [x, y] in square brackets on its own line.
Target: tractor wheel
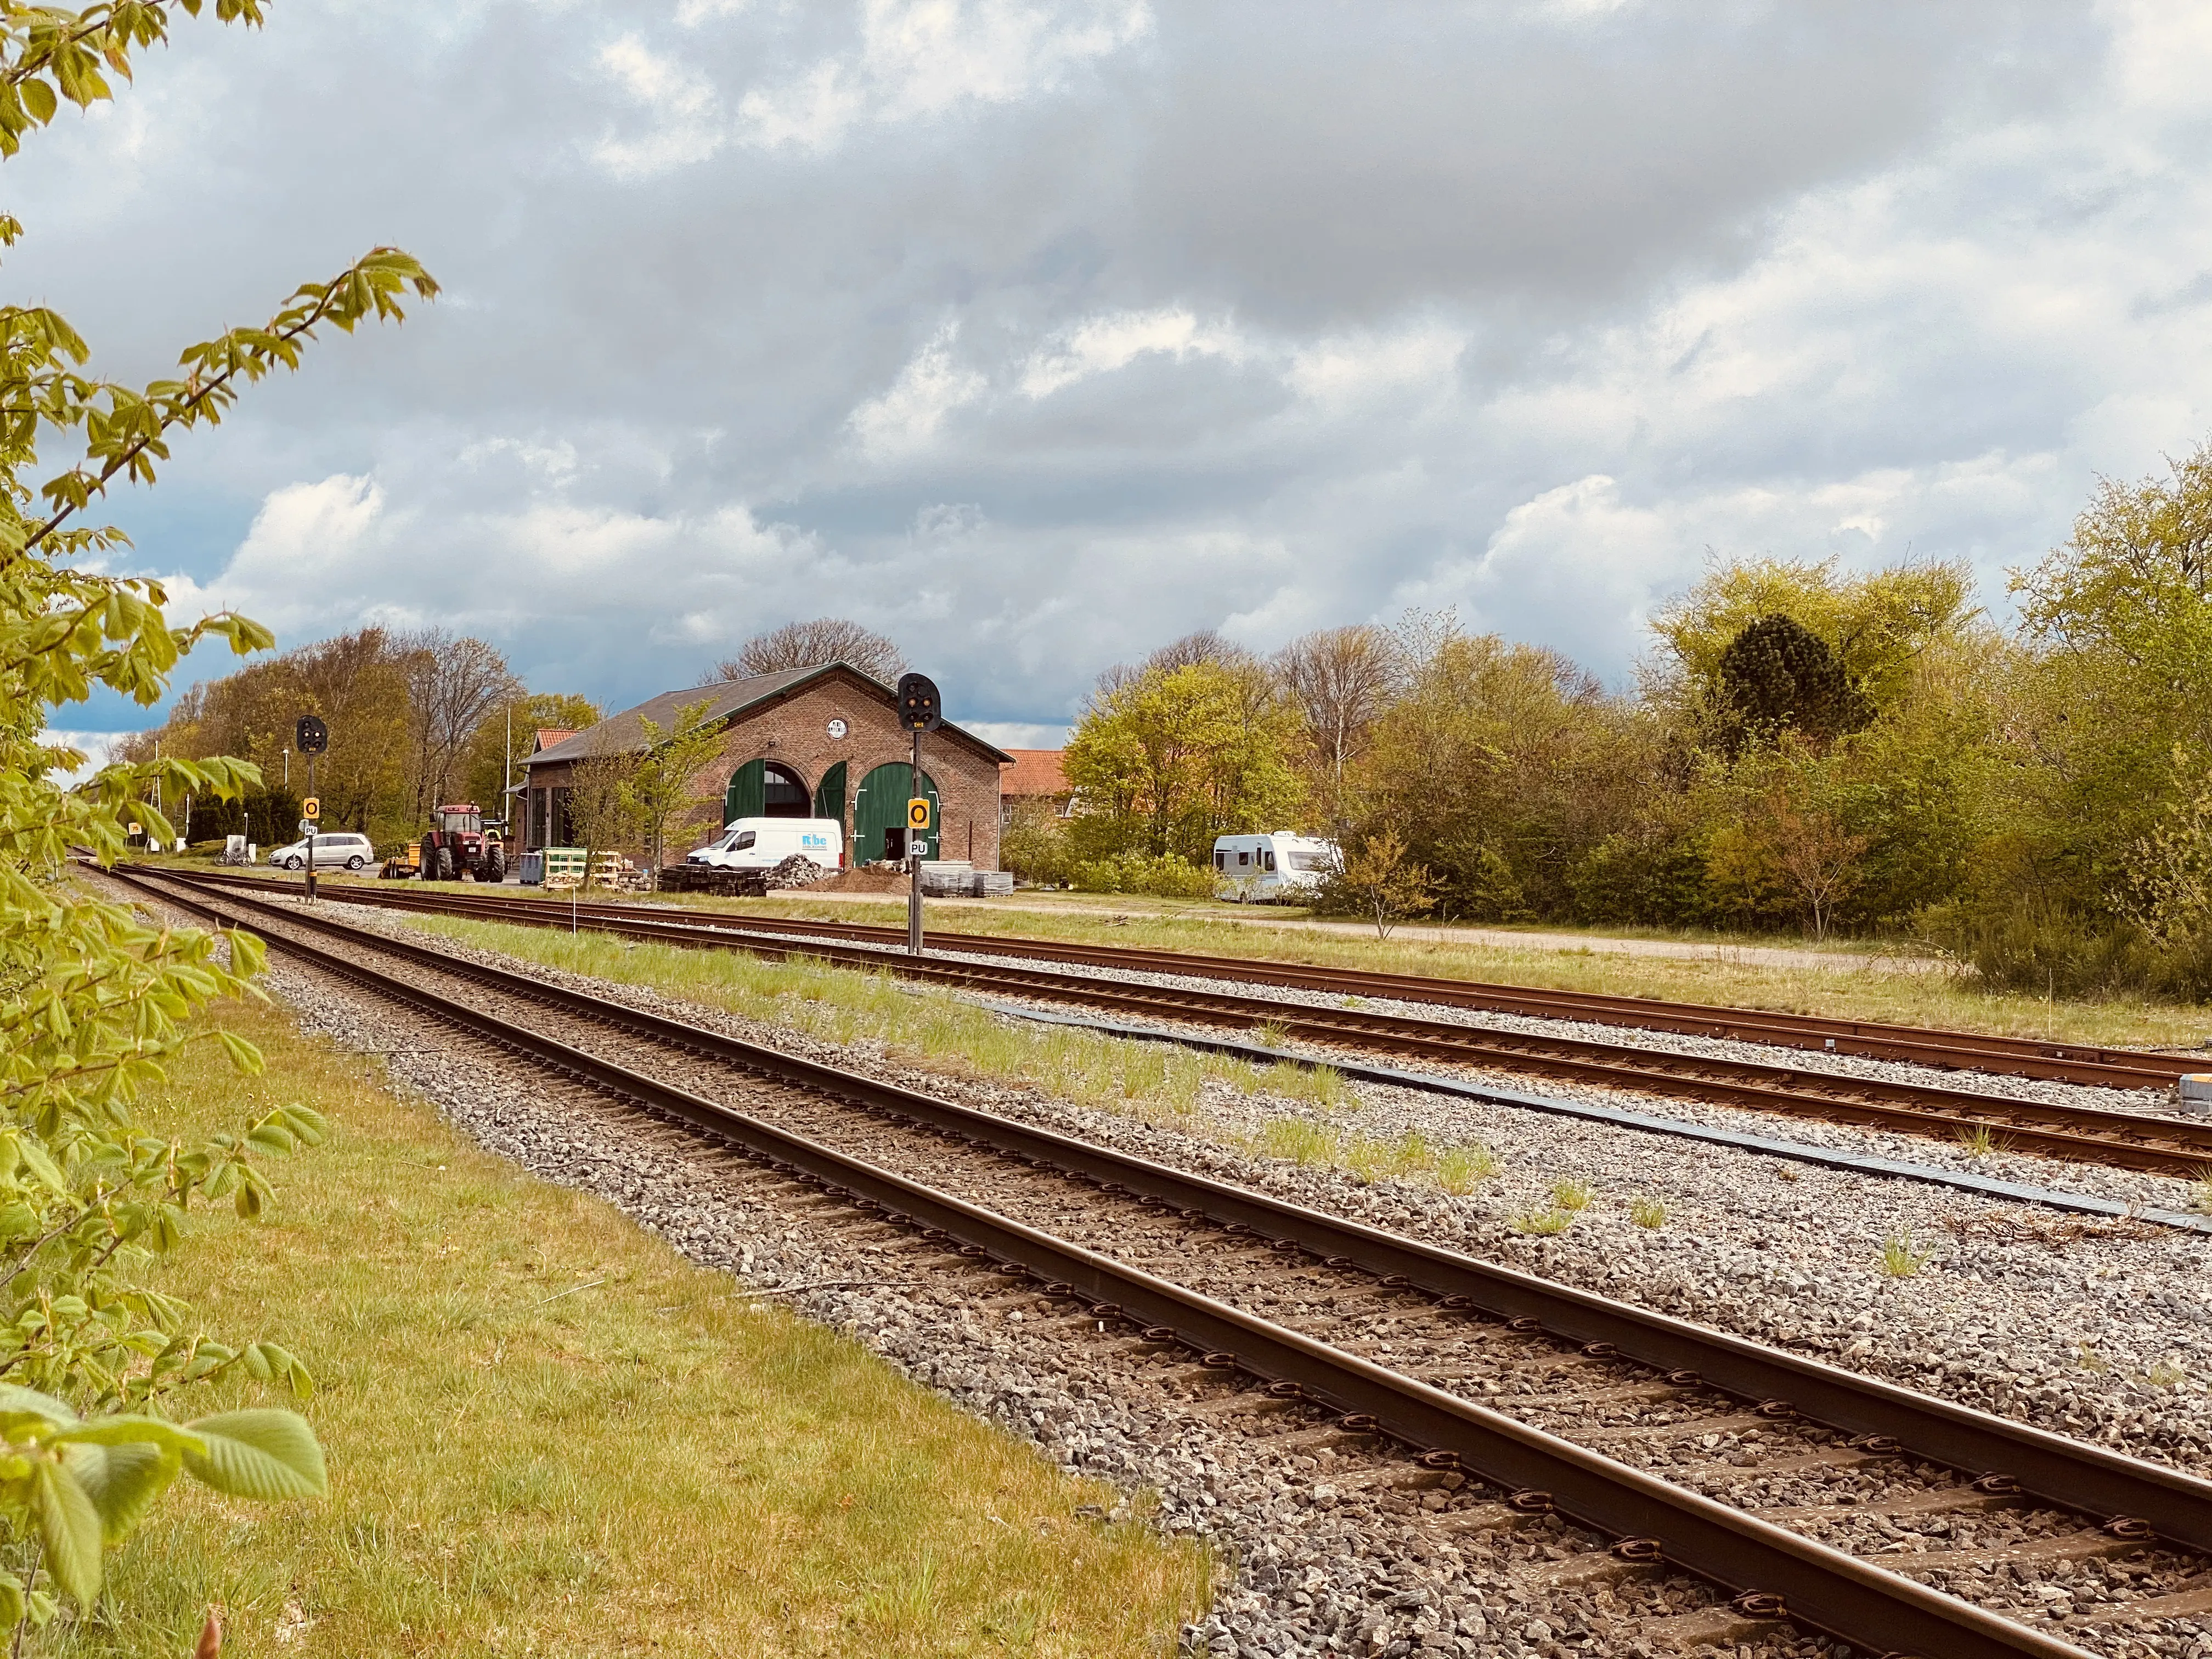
[495, 867]
[441, 867]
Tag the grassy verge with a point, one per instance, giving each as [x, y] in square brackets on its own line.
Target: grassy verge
[919, 1022]
[1900, 996]
[1905, 996]
[933, 1029]
[549, 1435]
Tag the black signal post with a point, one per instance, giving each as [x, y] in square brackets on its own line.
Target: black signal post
[918, 712]
[311, 737]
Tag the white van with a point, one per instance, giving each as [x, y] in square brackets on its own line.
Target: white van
[1258, 869]
[763, 843]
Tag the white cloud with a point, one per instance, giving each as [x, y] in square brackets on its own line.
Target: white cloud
[1351, 371]
[684, 124]
[1020, 734]
[1102, 344]
[96, 747]
[907, 417]
[918, 58]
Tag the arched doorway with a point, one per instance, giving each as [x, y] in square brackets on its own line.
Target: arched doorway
[880, 815]
[764, 789]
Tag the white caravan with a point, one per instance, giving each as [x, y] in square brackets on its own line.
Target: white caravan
[763, 843]
[1260, 869]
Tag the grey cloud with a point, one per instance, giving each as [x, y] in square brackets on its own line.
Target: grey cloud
[1636, 243]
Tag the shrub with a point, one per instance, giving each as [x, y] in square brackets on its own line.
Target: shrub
[2014, 944]
[1168, 876]
[1036, 846]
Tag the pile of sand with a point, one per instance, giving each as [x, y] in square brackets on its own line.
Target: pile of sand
[864, 879]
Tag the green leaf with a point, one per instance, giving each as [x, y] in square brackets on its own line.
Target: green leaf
[267, 1455]
[70, 1524]
[243, 1055]
[21, 1407]
[123, 1481]
[128, 1430]
[41, 1165]
[11, 1600]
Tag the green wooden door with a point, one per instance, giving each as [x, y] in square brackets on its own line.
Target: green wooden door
[747, 797]
[829, 794]
[881, 805]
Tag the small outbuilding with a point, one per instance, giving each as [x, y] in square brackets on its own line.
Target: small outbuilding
[822, 742]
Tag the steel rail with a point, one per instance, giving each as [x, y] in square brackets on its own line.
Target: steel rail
[1771, 1572]
[2158, 1145]
[2034, 1057]
[2067, 1474]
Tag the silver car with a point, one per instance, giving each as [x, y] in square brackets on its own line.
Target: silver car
[336, 851]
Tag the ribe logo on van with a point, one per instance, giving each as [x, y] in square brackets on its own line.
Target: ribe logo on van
[814, 841]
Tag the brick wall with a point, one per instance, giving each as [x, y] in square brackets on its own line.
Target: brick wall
[794, 734]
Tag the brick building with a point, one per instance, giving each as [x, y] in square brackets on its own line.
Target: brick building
[805, 743]
[1035, 777]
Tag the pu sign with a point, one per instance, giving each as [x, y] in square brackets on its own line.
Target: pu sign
[917, 812]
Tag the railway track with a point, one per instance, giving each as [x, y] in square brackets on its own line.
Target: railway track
[2030, 1057]
[2163, 1145]
[1512, 1403]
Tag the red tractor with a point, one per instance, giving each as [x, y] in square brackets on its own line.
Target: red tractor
[457, 845]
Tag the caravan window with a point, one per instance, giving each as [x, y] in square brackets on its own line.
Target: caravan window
[1270, 859]
[1308, 861]
[1220, 859]
[1243, 858]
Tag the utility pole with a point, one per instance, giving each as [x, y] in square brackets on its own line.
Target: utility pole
[918, 712]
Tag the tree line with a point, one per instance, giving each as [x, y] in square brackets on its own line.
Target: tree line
[416, 719]
[1803, 747]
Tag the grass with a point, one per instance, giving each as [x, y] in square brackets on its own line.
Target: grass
[932, 1026]
[1903, 992]
[2200, 1194]
[1571, 1195]
[1463, 1169]
[1900, 1258]
[549, 1435]
[1906, 992]
[1648, 1213]
[1980, 1140]
[1543, 1223]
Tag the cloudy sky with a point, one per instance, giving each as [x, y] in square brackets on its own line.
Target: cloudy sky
[1035, 332]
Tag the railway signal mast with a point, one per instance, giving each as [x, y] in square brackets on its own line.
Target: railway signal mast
[312, 738]
[918, 712]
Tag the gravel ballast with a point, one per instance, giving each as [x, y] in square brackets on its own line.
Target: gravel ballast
[2087, 1329]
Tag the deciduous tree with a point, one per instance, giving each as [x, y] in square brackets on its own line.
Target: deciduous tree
[810, 644]
[1181, 755]
[92, 999]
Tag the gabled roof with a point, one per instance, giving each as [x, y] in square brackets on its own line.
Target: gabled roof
[726, 700]
[1034, 773]
[547, 738]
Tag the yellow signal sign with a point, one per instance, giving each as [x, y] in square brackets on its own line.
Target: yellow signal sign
[312, 807]
[917, 812]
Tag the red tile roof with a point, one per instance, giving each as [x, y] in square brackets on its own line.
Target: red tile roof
[547, 738]
[1036, 774]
